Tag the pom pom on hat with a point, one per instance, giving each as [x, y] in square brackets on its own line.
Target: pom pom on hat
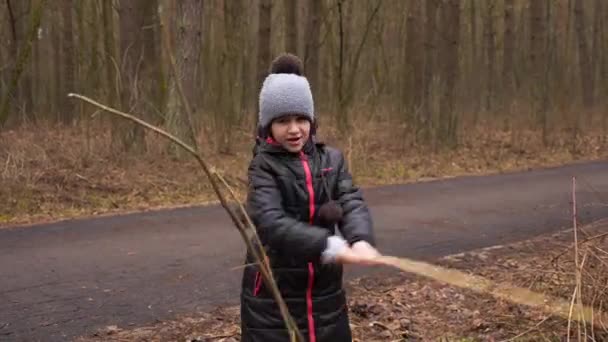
[287, 64]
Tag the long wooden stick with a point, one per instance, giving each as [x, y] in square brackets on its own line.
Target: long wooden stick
[256, 249]
[507, 292]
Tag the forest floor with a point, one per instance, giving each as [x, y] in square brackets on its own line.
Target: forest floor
[53, 173]
[407, 308]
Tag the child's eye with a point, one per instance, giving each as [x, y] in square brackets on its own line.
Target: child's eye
[301, 119]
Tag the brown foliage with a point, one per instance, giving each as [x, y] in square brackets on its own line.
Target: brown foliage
[55, 172]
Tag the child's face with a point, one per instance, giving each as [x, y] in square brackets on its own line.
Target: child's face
[291, 131]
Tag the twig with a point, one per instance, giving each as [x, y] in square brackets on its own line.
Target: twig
[8, 159]
[580, 296]
[577, 266]
[577, 275]
[224, 335]
[378, 324]
[258, 253]
[527, 331]
[236, 268]
[591, 238]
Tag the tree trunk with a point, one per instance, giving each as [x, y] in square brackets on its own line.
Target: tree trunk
[291, 26]
[429, 65]
[597, 52]
[111, 61]
[232, 75]
[56, 64]
[508, 49]
[68, 107]
[187, 56]
[264, 33]
[537, 65]
[584, 57]
[312, 53]
[415, 62]
[490, 54]
[474, 76]
[93, 71]
[138, 66]
[22, 61]
[451, 32]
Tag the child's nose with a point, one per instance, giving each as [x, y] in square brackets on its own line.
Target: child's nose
[292, 128]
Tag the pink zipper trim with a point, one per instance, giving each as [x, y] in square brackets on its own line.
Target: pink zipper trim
[257, 284]
[311, 321]
[311, 269]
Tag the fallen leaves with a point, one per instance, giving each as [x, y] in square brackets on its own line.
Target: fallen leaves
[407, 308]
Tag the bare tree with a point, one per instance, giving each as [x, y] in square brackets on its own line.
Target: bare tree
[508, 49]
[489, 35]
[22, 60]
[312, 50]
[448, 124]
[414, 60]
[406, 62]
[138, 64]
[584, 56]
[111, 60]
[229, 111]
[264, 33]
[188, 48]
[537, 66]
[430, 37]
[291, 26]
[68, 108]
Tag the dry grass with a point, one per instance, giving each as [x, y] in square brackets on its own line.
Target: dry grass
[50, 172]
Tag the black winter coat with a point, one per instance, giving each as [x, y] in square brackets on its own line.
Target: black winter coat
[285, 191]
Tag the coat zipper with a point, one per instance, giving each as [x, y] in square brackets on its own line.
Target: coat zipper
[311, 269]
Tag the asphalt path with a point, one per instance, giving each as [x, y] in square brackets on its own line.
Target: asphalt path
[69, 278]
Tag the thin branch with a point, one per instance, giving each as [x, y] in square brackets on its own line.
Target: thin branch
[527, 331]
[264, 267]
[599, 236]
[570, 311]
[258, 253]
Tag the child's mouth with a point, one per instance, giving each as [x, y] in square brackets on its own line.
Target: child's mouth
[293, 141]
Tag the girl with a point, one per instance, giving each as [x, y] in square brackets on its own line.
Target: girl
[299, 191]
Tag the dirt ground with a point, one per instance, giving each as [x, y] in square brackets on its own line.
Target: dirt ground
[413, 308]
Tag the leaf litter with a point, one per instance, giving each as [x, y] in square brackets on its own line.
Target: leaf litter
[405, 307]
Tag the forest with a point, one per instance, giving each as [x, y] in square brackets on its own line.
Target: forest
[409, 90]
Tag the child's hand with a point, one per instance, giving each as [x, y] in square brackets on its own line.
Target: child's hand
[364, 249]
[359, 254]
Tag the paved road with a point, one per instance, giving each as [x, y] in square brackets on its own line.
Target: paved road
[65, 279]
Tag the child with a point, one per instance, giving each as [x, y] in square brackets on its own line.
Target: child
[300, 190]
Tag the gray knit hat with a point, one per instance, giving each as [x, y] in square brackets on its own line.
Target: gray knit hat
[285, 91]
